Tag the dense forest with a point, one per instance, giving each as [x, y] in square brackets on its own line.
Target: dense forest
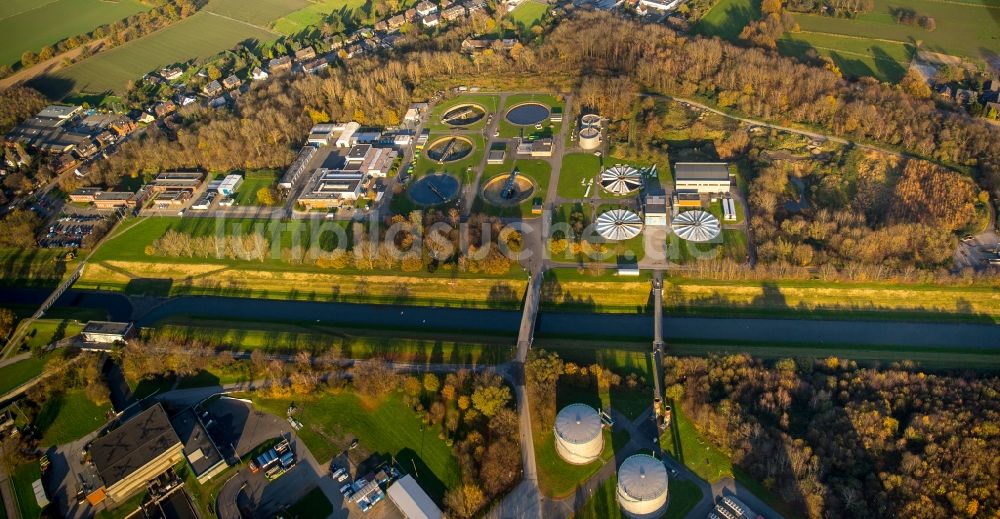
[838, 440]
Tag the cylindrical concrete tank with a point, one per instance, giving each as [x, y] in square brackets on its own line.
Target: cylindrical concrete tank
[590, 120]
[579, 439]
[642, 487]
[590, 138]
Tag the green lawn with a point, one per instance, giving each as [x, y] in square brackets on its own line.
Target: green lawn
[277, 337]
[728, 18]
[313, 504]
[46, 331]
[883, 60]
[529, 13]
[683, 495]
[26, 25]
[556, 478]
[69, 416]
[685, 444]
[246, 194]
[733, 246]
[22, 478]
[13, 375]
[489, 102]
[199, 36]
[389, 429]
[577, 168]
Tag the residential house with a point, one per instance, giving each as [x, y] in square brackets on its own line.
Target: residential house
[474, 5]
[258, 75]
[316, 65]
[425, 8]
[410, 15]
[396, 22]
[305, 54]
[231, 82]
[164, 108]
[453, 13]
[284, 63]
[430, 20]
[382, 26]
[171, 73]
[212, 89]
[122, 126]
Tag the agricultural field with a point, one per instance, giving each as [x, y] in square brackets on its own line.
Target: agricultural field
[256, 12]
[855, 57]
[200, 36]
[874, 44]
[529, 12]
[967, 29]
[313, 13]
[27, 25]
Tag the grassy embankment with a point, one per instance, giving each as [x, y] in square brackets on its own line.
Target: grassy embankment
[122, 264]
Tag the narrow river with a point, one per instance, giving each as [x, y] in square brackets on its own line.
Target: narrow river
[506, 322]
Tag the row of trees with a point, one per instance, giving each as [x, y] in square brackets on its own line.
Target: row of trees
[249, 246]
[839, 8]
[838, 440]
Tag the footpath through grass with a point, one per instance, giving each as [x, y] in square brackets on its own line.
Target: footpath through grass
[387, 428]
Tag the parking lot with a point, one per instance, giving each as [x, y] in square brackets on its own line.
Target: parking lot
[70, 231]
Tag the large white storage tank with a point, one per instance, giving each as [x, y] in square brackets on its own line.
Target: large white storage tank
[590, 132]
[579, 439]
[642, 487]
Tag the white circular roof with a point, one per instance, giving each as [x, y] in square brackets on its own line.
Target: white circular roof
[621, 179]
[697, 226]
[578, 423]
[618, 224]
[642, 477]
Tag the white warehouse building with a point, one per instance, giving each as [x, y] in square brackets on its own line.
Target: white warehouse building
[230, 184]
[702, 177]
[579, 435]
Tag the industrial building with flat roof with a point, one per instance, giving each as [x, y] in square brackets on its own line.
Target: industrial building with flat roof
[45, 131]
[107, 332]
[178, 181]
[201, 452]
[702, 177]
[135, 453]
[339, 176]
[411, 500]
